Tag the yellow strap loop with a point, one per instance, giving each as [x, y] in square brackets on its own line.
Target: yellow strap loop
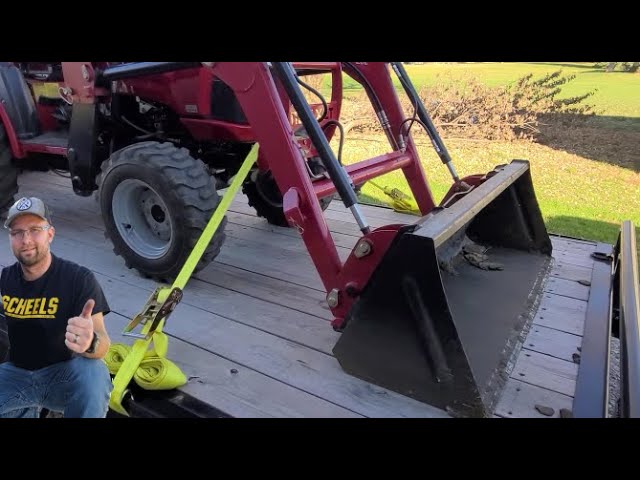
[400, 201]
[150, 369]
[155, 372]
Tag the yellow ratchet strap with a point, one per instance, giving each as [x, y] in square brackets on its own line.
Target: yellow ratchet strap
[400, 201]
[149, 368]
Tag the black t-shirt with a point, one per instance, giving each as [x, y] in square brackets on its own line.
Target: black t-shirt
[37, 311]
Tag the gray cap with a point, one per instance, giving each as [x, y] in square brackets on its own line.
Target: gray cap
[28, 205]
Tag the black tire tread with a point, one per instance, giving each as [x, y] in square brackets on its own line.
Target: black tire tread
[273, 215]
[191, 183]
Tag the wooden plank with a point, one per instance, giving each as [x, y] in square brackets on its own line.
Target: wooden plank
[270, 260]
[561, 313]
[233, 388]
[64, 203]
[341, 240]
[335, 225]
[296, 326]
[269, 289]
[571, 272]
[46, 177]
[546, 371]
[91, 236]
[311, 371]
[289, 243]
[555, 343]
[290, 324]
[519, 400]
[567, 288]
[573, 250]
[570, 243]
[574, 258]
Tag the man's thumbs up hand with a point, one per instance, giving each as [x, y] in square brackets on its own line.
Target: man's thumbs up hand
[80, 329]
[87, 310]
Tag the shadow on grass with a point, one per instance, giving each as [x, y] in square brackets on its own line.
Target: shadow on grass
[584, 66]
[608, 139]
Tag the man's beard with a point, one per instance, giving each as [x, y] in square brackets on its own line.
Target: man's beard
[32, 259]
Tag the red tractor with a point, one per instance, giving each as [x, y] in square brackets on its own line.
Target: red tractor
[156, 145]
[157, 140]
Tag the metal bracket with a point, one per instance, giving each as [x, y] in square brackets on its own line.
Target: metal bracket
[154, 312]
[603, 252]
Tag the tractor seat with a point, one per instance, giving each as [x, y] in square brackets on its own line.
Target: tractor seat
[18, 101]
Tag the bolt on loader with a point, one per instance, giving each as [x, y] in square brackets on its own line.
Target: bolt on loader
[435, 310]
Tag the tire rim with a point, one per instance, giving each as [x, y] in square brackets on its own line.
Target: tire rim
[142, 219]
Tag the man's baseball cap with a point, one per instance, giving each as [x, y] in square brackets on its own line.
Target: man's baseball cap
[28, 205]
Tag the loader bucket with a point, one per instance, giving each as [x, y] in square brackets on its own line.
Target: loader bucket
[442, 320]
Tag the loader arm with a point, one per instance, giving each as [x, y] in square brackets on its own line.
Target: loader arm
[255, 85]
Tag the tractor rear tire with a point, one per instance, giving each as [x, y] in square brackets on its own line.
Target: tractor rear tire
[263, 195]
[156, 200]
[8, 176]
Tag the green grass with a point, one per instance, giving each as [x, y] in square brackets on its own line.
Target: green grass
[618, 92]
[578, 197]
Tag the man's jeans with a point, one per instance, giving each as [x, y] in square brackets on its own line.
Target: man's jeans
[77, 388]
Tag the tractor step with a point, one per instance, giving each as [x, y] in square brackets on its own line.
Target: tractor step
[49, 139]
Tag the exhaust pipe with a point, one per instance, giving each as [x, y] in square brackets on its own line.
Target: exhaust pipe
[448, 307]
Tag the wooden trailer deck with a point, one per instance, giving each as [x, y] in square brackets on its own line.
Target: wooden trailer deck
[252, 332]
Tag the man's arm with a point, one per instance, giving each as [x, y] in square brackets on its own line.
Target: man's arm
[104, 340]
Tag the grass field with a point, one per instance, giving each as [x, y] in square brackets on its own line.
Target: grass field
[586, 182]
[578, 197]
[617, 92]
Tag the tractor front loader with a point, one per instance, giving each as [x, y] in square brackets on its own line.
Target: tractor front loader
[435, 309]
